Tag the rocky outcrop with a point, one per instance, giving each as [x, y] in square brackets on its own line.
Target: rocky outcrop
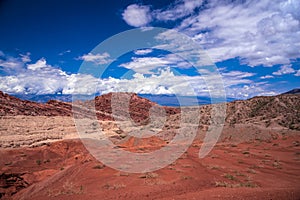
[10, 105]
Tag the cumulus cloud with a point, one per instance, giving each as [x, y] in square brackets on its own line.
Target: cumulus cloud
[297, 73]
[96, 58]
[35, 78]
[41, 78]
[42, 63]
[285, 69]
[137, 16]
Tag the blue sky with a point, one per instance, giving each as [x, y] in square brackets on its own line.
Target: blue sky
[255, 45]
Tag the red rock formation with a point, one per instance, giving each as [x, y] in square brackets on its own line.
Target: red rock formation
[10, 105]
[138, 107]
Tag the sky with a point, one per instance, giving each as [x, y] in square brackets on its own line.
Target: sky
[44, 45]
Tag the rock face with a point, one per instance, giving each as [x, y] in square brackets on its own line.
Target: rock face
[11, 183]
[10, 105]
[123, 104]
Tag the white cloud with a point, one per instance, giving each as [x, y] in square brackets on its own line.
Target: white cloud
[42, 63]
[33, 78]
[297, 73]
[144, 65]
[98, 58]
[141, 15]
[137, 16]
[266, 77]
[64, 52]
[25, 57]
[285, 69]
[42, 78]
[11, 65]
[259, 32]
[250, 90]
[143, 51]
[179, 10]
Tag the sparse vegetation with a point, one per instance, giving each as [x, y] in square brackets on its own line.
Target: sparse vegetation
[38, 162]
[237, 173]
[113, 186]
[214, 167]
[223, 184]
[248, 184]
[68, 188]
[254, 167]
[236, 185]
[230, 177]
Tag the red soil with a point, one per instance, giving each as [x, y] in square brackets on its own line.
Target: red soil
[65, 170]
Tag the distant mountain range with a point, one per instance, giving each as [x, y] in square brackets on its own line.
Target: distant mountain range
[294, 91]
[164, 100]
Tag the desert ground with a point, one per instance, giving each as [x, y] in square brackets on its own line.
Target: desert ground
[257, 155]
